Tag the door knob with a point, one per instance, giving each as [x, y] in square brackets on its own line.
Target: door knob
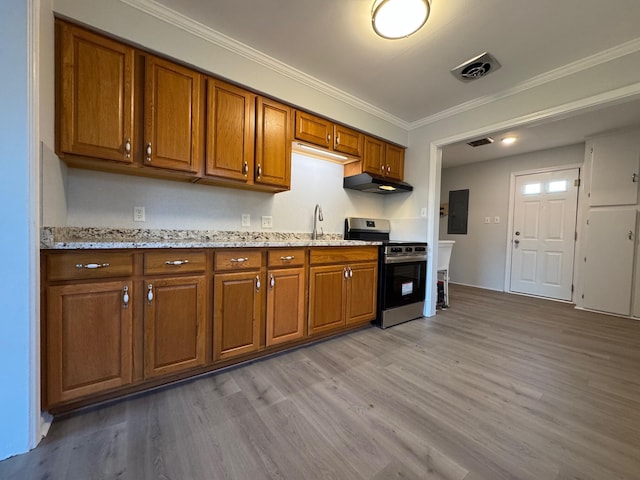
[518, 233]
[516, 241]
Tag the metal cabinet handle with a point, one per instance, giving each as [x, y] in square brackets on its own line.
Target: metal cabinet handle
[92, 266]
[328, 137]
[388, 169]
[245, 168]
[634, 178]
[239, 260]
[176, 262]
[272, 281]
[149, 294]
[149, 151]
[125, 296]
[127, 148]
[382, 168]
[288, 258]
[346, 272]
[350, 272]
[259, 171]
[257, 283]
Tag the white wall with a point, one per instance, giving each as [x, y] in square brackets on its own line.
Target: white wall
[18, 287]
[107, 200]
[479, 257]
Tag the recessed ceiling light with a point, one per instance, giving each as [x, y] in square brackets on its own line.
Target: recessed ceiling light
[509, 140]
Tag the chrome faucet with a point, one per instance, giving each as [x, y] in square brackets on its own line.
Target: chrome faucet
[317, 217]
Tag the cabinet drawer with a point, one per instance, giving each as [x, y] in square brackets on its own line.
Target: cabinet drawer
[238, 260]
[286, 257]
[172, 261]
[342, 254]
[87, 265]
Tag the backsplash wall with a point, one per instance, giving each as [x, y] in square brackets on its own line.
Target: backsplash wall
[107, 200]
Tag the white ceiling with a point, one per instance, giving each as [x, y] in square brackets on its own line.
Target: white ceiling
[332, 40]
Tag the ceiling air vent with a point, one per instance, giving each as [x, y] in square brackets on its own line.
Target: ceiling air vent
[476, 68]
[480, 142]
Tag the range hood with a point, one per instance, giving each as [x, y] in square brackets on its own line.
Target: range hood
[368, 183]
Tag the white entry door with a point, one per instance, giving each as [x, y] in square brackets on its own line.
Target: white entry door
[543, 235]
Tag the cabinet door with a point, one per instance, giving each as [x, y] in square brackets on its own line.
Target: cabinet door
[312, 129]
[608, 267]
[89, 346]
[174, 319]
[373, 156]
[362, 292]
[230, 131]
[326, 298]
[347, 141]
[285, 305]
[273, 143]
[615, 166]
[172, 116]
[237, 314]
[394, 159]
[95, 95]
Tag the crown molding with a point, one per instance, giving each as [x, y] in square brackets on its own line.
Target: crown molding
[599, 58]
[178, 20]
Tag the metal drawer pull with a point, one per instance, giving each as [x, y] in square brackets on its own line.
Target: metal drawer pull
[176, 262]
[92, 266]
[149, 294]
[288, 258]
[257, 283]
[239, 260]
[125, 296]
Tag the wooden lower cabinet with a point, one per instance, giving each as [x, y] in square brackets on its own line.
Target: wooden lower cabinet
[89, 347]
[174, 321]
[285, 305]
[326, 298]
[237, 310]
[361, 301]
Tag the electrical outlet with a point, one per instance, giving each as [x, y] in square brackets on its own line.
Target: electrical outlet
[267, 221]
[138, 214]
[496, 219]
[246, 220]
[487, 219]
[423, 212]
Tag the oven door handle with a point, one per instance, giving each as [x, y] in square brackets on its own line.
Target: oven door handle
[405, 259]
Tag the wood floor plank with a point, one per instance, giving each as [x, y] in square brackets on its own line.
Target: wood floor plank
[497, 387]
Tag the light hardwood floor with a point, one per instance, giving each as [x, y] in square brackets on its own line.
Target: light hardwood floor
[497, 387]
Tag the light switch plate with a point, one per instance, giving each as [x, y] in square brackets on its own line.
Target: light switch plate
[246, 220]
[267, 221]
[423, 212]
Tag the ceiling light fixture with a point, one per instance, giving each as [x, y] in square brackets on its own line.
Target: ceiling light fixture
[395, 19]
[509, 140]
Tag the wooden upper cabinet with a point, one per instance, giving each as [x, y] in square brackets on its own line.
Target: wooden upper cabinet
[174, 319]
[312, 129]
[394, 159]
[273, 143]
[324, 133]
[172, 127]
[373, 161]
[89, 339]
[94, 110]
[347, 140]
[230, 131]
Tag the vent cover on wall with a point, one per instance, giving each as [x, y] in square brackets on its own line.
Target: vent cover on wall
[476, 68]
[480, 142]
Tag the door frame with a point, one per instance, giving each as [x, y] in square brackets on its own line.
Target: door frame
[509, 243]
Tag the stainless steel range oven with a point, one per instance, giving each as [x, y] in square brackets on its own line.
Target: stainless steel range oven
[402, 271]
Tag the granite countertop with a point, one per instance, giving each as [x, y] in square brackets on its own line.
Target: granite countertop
[69, 238]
